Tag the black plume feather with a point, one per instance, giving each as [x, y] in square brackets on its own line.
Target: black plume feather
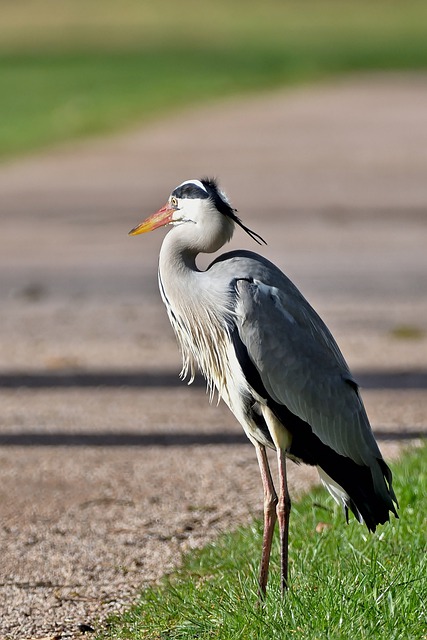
[211, 186]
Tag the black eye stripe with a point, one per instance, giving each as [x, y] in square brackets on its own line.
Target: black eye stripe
[190, 190]
[210, 190]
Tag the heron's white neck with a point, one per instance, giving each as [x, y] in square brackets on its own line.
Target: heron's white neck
[197, 309]
[184, 242]
[177, 262]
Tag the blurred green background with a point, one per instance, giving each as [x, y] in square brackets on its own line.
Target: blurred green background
[73, 68]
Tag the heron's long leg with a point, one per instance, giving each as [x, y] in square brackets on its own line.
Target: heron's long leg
[270, 515]
[283, 514]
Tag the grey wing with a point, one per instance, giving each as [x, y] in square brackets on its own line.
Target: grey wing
[301, 366]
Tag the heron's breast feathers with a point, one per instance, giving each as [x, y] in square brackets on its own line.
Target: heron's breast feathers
[202, 329]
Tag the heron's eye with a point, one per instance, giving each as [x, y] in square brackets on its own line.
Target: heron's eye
[174, 201]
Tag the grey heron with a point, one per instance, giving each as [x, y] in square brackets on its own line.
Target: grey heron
[271, 358]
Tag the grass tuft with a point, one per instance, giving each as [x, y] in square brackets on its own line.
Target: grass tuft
[345, 582]
[407, 332]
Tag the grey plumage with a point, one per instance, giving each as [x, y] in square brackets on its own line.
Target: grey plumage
[270, 357]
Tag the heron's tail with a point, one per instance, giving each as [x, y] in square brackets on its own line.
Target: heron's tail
[366, 491]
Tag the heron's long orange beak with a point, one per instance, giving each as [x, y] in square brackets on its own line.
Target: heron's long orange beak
[159, 219]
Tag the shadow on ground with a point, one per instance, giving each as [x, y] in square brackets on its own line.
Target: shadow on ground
[89, 439]
[405, 379]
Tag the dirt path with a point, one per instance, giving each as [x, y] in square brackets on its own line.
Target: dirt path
[110, 468]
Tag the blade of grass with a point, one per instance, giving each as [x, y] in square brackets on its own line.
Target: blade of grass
[345, 583]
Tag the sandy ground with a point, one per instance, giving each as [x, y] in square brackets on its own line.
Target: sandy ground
[110, 468]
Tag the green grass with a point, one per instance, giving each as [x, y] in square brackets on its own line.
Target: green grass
[407, 332]
[71, 69]
[345, 582]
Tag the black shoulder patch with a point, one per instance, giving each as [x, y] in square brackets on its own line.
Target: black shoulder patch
[250, 371]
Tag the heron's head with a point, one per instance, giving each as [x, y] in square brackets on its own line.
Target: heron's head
[204, 212]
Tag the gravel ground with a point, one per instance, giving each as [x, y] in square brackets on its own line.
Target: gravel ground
[110, 468]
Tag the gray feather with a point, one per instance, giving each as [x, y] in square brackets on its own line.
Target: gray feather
[300, 364]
